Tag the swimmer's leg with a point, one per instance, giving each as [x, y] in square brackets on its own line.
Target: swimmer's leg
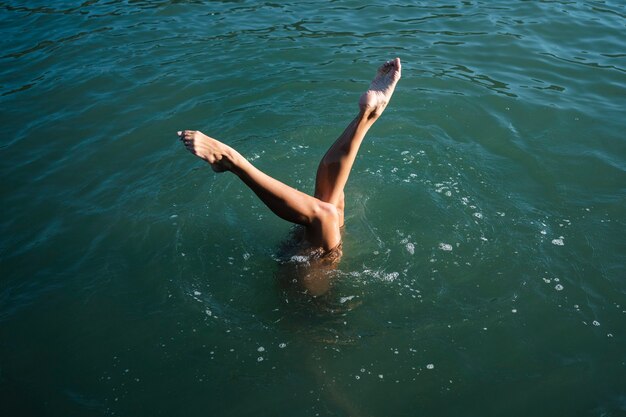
[320, 218]
[335, 167]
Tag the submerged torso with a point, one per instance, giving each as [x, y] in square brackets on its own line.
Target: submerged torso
[306, 268]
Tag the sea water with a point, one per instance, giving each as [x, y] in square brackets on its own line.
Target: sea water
[483, 254]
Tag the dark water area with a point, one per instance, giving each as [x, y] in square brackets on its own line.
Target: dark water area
[483, 269]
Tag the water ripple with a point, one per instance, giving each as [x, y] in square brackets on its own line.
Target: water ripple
[484, 212]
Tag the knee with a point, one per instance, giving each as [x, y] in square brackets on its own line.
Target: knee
[325, 226]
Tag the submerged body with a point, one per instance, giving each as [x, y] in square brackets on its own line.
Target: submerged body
[321, 215]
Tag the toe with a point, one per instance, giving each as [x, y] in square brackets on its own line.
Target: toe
[397, 64]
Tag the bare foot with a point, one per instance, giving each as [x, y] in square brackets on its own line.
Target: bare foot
[374, 100]
[211, 150]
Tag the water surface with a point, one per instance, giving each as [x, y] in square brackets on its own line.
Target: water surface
[484, 253]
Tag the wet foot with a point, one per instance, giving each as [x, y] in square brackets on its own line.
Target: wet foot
[207, 148]
[374, 100]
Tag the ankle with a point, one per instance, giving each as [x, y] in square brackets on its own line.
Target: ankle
[366, 117]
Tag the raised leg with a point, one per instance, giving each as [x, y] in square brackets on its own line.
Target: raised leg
[321, 215]
[335, 166]
[319, 218]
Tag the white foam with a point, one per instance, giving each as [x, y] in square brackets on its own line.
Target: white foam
[344, 299]
[410, 248]
[558, 242]
[445, 247]
[299, 258]
[391, 276]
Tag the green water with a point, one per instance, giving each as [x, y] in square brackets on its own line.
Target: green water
[484, 252]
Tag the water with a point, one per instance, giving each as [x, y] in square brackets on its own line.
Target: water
[483, 268]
